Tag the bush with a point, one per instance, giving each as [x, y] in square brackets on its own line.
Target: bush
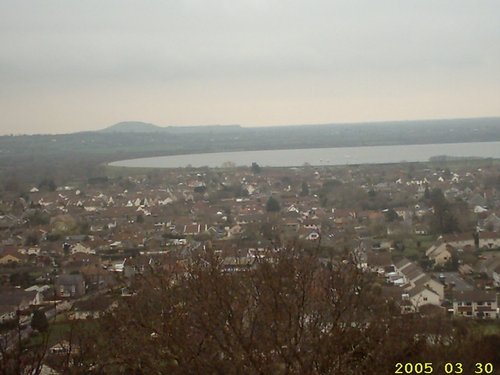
[39, 321]
[272, 205]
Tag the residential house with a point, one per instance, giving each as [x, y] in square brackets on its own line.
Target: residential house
[487, 265]
[238, 264]
[9, 255]
[413, 276]
[378, 261]
[489, 240]
[14, 301]
[492, 223]
[8, 221]
[235, 230]
[462, 241]
[141, 264]
[79, 248]
[96, 277]
[423, 295]
[38, 288]
[64, 347]
[476, 304]
[404, 212]
[408, 302]
[194, 229]
[34, 250]
[496, 276]
[70, 286]
[440, 253]
[465, 241]
[92, 308]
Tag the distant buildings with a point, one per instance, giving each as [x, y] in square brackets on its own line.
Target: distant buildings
[476, 304]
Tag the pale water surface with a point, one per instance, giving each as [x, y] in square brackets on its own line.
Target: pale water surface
[321, 156]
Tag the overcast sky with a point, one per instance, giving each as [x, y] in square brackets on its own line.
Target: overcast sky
[72, 65]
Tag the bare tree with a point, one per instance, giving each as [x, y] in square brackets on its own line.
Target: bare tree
[292, 314]
[15, 356]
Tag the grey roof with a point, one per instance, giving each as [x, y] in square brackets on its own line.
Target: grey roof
[10, 299]
[474, 296]
[70, 279]
[419, 289]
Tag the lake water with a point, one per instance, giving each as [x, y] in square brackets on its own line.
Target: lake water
[321, 156]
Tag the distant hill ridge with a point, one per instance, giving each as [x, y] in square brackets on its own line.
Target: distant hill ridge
[144, 127]
[132, 127]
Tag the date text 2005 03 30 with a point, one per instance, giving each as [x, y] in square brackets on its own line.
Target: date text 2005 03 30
[447, 368]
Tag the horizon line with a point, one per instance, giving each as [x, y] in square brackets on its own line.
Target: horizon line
[353, 123]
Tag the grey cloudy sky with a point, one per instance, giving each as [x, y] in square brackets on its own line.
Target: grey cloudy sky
[72, 65]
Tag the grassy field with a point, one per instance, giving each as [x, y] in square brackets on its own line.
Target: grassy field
[57, 332]
[415, 247]
[61, 330]
[488, 327]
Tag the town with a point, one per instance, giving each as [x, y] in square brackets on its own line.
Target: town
[429, 232]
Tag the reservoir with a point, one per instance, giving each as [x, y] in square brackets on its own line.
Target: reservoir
[321, 156]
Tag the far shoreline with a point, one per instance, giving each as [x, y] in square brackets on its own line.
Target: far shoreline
[321, 156]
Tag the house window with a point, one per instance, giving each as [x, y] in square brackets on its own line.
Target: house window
[425, 298]
[468, 303]
[480, 303]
